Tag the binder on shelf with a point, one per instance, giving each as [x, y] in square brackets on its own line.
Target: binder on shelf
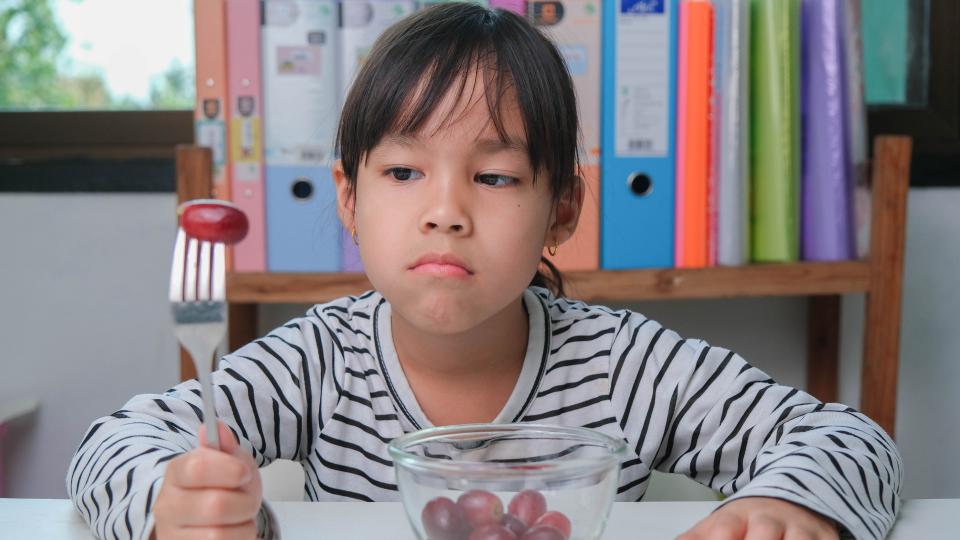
[212, 111]
[424, 3]
[731, 132]
[361, 23]
[517, 6]
[638, 156]
[574, 26]
[246, 138]
[826, 184]
[694, 80]
[775, 130]
[301, 98]
[857, 122]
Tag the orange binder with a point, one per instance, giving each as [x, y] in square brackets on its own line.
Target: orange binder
[575, 27]
[693, 245]
[211, 113]
[582, 251]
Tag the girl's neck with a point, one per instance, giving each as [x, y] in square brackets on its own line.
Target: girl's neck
[499, 342]
[484, 362]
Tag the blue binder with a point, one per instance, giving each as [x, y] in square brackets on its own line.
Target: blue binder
[301, 107]
[638, 140]
[304, 232]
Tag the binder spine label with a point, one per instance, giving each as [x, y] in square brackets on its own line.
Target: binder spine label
[641, 78]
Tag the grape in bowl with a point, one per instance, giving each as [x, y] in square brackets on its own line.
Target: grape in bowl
[507, 481]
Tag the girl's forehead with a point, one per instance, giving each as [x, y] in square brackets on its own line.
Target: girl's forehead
[473, 105]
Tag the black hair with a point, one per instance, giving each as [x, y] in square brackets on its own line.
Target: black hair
[414, 63]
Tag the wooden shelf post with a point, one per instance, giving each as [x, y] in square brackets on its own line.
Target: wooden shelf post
[881, 346]
[194, 166]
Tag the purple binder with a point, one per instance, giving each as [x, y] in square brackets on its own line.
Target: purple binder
[827, 183]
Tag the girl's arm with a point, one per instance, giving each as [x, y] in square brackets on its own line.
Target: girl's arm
[268, 393]
[702, 411]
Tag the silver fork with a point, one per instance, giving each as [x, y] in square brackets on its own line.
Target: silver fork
[198, 290]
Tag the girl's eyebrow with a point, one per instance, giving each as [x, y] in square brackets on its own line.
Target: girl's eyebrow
[402, 140]
[493, 146]
[486, 145]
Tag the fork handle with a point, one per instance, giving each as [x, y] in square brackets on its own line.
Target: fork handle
[209, 410]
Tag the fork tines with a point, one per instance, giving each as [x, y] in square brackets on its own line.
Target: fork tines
[198, 270]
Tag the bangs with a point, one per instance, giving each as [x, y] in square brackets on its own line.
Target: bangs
[461, 76]
[440, 50]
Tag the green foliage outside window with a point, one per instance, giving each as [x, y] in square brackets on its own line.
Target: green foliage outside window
[32, 45]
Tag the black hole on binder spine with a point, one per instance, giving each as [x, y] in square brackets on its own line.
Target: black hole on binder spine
[302, 189]
[640, 184]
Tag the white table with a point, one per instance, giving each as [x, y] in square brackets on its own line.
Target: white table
[55, 519]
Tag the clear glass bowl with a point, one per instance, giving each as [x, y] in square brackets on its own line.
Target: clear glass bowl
[576, 470]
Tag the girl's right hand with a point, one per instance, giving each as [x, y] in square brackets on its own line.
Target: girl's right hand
[209, 493]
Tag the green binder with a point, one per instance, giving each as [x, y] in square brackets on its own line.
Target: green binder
[775, 130]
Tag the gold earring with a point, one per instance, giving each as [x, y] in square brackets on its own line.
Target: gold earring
[552, 250]
[353, 234]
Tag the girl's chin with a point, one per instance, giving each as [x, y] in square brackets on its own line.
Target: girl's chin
[440, 312]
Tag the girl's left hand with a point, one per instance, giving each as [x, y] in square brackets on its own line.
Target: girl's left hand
[762, 518]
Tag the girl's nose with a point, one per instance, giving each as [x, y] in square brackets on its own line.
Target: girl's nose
[446, 213]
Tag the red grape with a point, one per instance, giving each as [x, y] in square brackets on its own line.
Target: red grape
[557, 520]
[492, 532]
[542, 532]
[444, 520]
[514, 524]
[214, 221]
[528, 505]
[481, 507]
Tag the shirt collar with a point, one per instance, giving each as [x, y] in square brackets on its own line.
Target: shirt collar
[534, 363]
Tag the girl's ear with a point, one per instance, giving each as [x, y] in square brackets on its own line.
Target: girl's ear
[566, 215]
[346, 196]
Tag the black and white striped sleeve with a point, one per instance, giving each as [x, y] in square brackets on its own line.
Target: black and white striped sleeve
[704, 412]
[268, 393]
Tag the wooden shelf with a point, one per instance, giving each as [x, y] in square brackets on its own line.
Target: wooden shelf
[795, 279]
[879, 278]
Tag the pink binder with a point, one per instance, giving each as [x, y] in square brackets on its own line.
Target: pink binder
[246, 141]
[517, 6]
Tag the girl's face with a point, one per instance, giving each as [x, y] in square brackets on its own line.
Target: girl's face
[450, 223]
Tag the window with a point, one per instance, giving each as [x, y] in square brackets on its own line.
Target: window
[96, 55]
[90, 85]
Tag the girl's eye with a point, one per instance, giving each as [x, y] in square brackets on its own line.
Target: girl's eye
[403, 174]
[496, 180]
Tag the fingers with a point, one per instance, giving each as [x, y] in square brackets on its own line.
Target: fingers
[764, 528]
[240, 531]
[798, 533]
[208, 468]
[228, 441]
[718, 526]
[210, 507]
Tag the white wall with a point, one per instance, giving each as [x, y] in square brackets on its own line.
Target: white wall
[83, 322]
[84, 325]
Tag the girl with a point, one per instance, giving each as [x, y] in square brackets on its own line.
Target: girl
[458, 144]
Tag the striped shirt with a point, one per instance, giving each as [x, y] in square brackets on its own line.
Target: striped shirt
[327, 390]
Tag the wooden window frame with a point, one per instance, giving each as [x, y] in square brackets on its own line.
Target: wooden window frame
[91, 151]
